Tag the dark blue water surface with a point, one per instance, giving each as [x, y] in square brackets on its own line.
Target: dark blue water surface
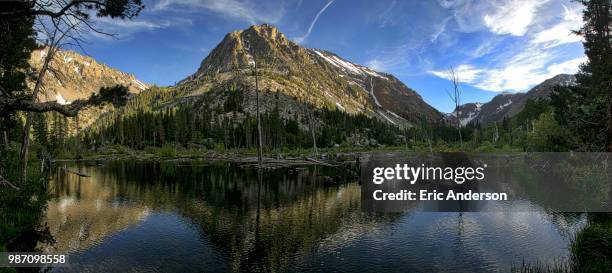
[195, 217]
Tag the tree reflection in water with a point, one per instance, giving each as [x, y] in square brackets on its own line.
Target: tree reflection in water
[257, 220]
[178, 217]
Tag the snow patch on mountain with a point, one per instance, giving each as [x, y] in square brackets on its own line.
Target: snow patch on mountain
[501, 107]
[347, 66]
[386, 117]
[470, 116]
[340, 106]
[61, 100]
[375, 99]
[139, 84]
[371, 72]
[393, 114]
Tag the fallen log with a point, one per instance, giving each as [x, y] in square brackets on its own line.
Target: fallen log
[320, 162]
[75, 172]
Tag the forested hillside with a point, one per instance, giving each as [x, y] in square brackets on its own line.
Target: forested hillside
[153, 118]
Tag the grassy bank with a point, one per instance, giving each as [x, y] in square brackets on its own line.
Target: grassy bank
[590, 250]
[175, 151]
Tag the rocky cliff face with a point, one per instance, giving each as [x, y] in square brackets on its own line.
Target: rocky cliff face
[74, 76]
[314, 76]
[507, 104]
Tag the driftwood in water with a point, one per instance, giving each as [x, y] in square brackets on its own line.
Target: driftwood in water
[320, 162]
[75, 172]
[273, 163]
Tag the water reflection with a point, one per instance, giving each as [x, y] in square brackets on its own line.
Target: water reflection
[179, 217]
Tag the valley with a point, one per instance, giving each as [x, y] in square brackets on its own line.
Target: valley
[309, 98]
[264, 136]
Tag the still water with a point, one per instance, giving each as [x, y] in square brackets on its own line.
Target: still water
[218, 217]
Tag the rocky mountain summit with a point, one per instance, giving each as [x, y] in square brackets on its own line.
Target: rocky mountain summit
[313, 76]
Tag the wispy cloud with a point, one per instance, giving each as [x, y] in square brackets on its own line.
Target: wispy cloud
[512, 17]
[440, 29]
[312, 24]
[465, 72]
[524, 45]
[404, 59]
[561, 33]
[386, 16]
[125, 28]
[247, 11]
[507, 17]
[523, 71]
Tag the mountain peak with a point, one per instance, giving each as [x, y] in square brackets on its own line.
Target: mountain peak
[318, 77]
[238, 50]
[263, 33]
[264, 29]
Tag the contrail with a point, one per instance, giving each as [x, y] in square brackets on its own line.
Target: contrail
[312, 24]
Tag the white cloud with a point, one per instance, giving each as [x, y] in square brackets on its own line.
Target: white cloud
[465, 72]
[238, 10]
[522, 72]
[561, 33]
[385, 62]
[512, 17]
[503, 17]
[524, 48]
[405, 58]
[312, 24]
[123, 28]
[376, 64]
[567, 67]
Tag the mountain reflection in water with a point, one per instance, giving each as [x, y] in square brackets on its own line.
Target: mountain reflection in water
[195, 217]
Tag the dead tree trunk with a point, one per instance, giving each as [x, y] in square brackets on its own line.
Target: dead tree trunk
[25, 145]
[455, 96]
[312, 127]
[259, 138]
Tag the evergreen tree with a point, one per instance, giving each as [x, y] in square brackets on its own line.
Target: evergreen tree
[41, 129]
[586, 109]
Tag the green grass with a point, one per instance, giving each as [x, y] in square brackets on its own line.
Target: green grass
[592, 247]
[175, 151]
[591, 250]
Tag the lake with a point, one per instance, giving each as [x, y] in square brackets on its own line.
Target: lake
[218, 217]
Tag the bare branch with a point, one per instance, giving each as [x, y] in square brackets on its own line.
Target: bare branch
[26, 105]
[45, 9]
[4, 182]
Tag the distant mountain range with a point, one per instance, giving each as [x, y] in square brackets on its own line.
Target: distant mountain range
[507, 104]
[301, 75]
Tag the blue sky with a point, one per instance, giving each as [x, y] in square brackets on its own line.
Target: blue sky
[495, 46]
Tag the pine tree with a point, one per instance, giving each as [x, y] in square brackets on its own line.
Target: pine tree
[586, 109]
[41, 129]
